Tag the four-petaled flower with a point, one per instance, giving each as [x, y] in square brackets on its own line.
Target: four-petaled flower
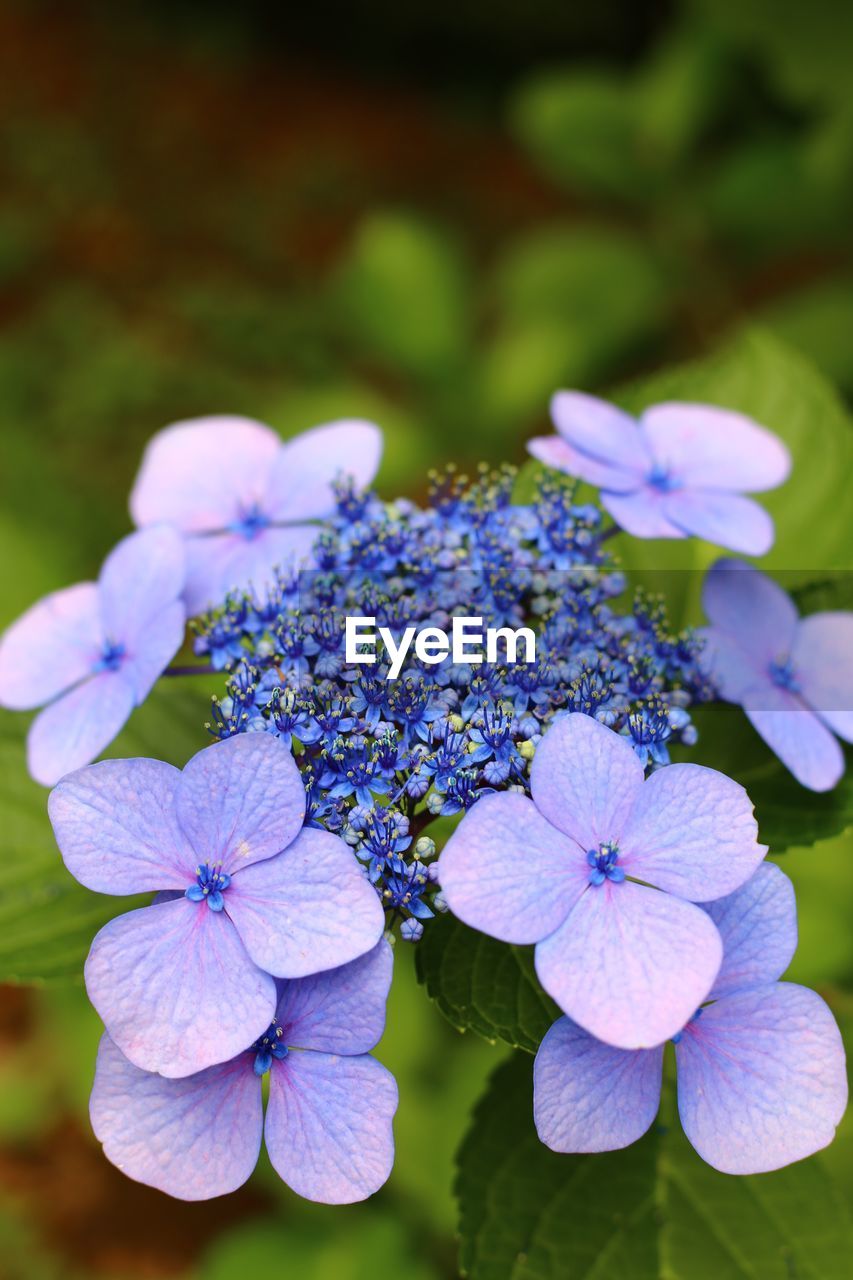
[93, 651]
[678, 470]
[179, 986]
[793, 676]
[761, 1076]
[602, 870]
[328, 1120]
[244, 499]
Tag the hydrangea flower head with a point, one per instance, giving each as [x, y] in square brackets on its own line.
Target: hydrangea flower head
[601, 870]
[244, 499]
[375, 753]
[678, 470]
[90, 653]
[761, 1074]
[793, 676]
[184, 983]
[328, 1120]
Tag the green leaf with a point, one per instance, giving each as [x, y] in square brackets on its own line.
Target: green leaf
[47, 920]
[771, 1226]
[529, 1214]
[605, 280]
[572, 303]
[482, 985]
[805, 48]
[579, 126]
[789, 815]
[816, 319]
[403, 292]
[826, 592]
[654, 1211]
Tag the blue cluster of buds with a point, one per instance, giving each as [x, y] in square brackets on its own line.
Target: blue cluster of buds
[382, 757]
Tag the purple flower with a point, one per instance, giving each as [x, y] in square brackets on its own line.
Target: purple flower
[793, 676]
[679, 469]
[761, 1075]
[89, 654]
[184, 983]
[243, 499]
[328, 1119]
[601, 870]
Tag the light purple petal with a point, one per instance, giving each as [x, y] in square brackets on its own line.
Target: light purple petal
[116, 827]
[761, 1079]
[751, 608]
[198, 474]
[585, 779]
[50, 647]
[601, 430]
[311, 909]
[630, 964]
[300, 485]
[758, 926]
[76, 728]
[555, 452]
[641, 514]
[823, 662]
[241, 800]
[733, 670]
[193, 1138]
[229, 562]
[342, 1010]
[692, 832]
[800, 740]
[328, 1127]
[714, 448]
[152, 649]
[140, 578]
[175, 988]
[728, 519]
[509, 872]
[588, 1096]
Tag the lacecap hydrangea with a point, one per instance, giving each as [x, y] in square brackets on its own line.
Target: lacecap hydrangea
[285, 849]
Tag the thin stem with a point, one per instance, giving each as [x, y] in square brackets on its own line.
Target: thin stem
[418, 821]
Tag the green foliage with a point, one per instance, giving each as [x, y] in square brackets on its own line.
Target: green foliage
[817, 320]
[47, 920]
[579, 126]
[622, 135]
[654, 1210]
[483, 985]
[804, 48]
[402, 291]
[789, 815]
[361, 1247]
[572, 302]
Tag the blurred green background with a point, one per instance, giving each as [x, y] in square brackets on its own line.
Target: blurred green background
[431, 215]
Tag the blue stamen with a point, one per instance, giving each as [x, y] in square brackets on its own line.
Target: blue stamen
[250, 523]
[782, 674]
[110, 657]
[661, 478]
[269, 1047]
[211, 883]
[603, 863]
